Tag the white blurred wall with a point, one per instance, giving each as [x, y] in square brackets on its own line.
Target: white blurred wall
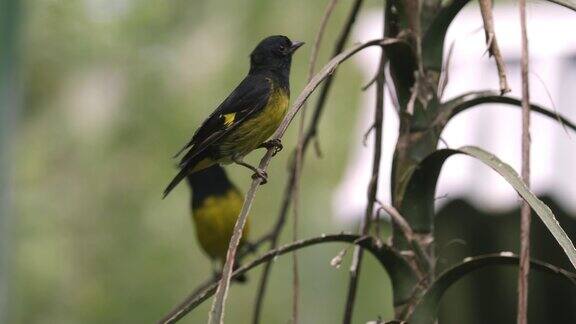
[497, 128]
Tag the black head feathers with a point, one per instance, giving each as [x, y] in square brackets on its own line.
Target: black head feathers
[274, 52]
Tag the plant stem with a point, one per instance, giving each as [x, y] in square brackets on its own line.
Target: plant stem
[299, 157]
[492, 43]
[310, 133]
[525, 212]
[217, 311]
[384, 254]
[372, 189]
[213, 280]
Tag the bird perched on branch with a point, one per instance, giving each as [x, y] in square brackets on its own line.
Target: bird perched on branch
[247, 117]
[216, 204]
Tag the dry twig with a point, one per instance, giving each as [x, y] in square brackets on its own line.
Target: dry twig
[372, 188]
[203, 294]
[492, 43]
[399, 220]
[298, 162]
[310, 134]
[217, 311]
[524, 271]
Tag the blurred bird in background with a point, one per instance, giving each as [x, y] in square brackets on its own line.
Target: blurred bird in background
[216, 204]
[247, 117]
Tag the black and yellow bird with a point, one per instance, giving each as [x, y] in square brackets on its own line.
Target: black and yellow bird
[216, 204]
[247, 117]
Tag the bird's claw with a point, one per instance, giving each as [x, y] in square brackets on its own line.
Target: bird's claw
[275, 144]
[259, 173]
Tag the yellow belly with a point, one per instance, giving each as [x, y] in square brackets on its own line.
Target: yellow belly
[215, 219]
[256, 129]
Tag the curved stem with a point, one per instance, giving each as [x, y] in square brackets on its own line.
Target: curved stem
[217, 311]
[371, 192]
[327, 85]
[384, 254]
[460, 104]
[299, 159]
[310, 134]
[427, 307]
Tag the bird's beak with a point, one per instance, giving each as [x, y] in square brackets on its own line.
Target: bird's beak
[295, 45]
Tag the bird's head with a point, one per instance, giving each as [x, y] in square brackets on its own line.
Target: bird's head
[274, 52]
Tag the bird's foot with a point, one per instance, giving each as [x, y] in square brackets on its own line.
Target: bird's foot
[259, 173]
[275, 144]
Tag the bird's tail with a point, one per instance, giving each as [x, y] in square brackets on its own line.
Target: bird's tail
[196, 163]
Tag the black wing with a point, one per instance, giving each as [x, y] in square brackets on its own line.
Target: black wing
[250, 96]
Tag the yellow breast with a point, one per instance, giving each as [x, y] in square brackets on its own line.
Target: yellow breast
[215, 219]
[258, 128]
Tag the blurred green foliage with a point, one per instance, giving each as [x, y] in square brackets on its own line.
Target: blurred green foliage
[114, 88]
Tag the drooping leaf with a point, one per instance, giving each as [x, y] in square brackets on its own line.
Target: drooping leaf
[401, 55]
[402, 67]
[471, 100]
[433, 39]
[421, 190]
[417, 204]
[570, 4]
[426, 310]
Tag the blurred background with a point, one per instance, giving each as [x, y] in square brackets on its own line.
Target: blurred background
[97, 95]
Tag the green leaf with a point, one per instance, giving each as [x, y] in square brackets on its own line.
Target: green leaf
[401, 55]
[471, 100]
[422, 187]
[417, 205]
[545, 214]
[433, 40]
[425, 311]
[402, 67]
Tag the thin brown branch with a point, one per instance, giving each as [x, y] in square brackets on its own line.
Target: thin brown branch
[367, 134]
[275, 234]
[399, 220]
[370, 83]
[311, 133]
[419, 260]
[552, 104]
[299, 156]
[197, 298]
[372, 189]
[318, 39]
[217, 310]
[445, 75]
[524, 271]
[492, 43]
[295, 276]
[213, 280]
